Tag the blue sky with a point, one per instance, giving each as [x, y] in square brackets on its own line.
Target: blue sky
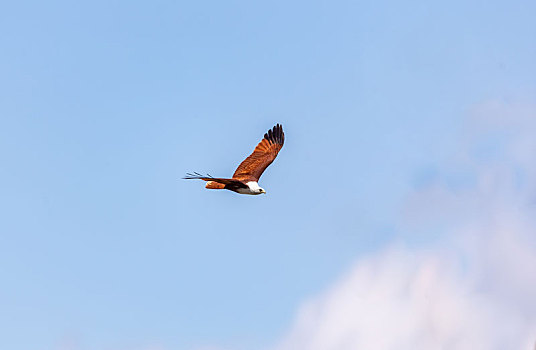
[104, 106]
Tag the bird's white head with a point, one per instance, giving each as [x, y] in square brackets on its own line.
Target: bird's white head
[254, 188]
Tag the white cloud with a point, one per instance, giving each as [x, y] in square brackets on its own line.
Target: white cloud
[475, 288]
[478, 298]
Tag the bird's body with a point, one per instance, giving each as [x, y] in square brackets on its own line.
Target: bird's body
[246, 177]
[250, 187]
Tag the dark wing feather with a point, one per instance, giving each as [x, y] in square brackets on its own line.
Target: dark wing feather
[231, 182]
[264, 154]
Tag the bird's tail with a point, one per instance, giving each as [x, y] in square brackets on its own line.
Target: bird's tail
[213, 185]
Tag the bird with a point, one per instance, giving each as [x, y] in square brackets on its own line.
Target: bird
[246, 177]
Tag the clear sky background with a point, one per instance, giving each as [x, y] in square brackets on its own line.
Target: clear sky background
[407, 124]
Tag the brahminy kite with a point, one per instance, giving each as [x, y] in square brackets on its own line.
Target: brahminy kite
[245, 178]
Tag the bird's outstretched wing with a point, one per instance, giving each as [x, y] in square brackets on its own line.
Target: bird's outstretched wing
[264, 154]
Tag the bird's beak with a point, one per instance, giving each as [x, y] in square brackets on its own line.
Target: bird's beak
[263, 191]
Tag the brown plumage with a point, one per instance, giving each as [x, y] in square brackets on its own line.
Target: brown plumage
[248, 173]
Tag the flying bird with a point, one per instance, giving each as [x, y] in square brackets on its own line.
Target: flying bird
[245, 178]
